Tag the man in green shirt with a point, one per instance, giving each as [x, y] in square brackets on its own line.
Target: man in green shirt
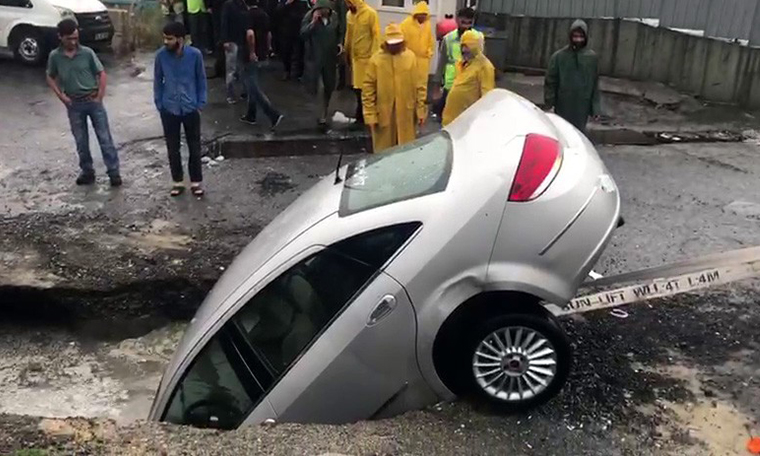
[77, 77]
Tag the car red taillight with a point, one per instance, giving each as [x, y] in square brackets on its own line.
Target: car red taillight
[539, 165]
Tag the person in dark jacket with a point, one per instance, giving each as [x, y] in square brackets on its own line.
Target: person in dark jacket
[291, 48]
[232, 31]
[257, 50]
[215, 8]
[339, 6]
[571, 85]
[321, 32]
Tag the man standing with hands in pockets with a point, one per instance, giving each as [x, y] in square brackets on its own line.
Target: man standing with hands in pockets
[179, 91]
[76, 76]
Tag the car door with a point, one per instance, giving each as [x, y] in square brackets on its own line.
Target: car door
[332, 323]
[358, 365]
[352, 333]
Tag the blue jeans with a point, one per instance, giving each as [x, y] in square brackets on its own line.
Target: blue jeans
[233, 64]
[79, 111]
[256, 97]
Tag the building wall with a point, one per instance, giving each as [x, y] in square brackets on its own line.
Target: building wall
[715, 70]
[731, 19]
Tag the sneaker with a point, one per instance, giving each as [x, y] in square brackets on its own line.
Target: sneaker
[277, 122]
[248, 120]
[243, 96]
[231, 100]
[115, 180]
[86, 179]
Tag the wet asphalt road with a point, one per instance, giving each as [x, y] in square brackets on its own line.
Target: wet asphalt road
[676, 378]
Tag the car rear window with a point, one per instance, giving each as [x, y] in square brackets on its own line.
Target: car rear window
[416, 169]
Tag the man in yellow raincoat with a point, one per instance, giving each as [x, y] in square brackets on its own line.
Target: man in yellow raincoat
[392, 97]
[418, 35]
[475, 77]
[361, 42]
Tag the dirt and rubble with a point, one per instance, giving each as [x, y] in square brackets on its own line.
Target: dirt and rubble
[678, 378]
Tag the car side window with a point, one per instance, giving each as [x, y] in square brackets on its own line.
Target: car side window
[217, 391]
[376, 247]
[284, 318]
[16, 3]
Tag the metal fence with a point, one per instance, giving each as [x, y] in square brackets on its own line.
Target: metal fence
[732, 19]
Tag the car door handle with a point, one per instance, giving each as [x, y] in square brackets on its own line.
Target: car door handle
[382, 310]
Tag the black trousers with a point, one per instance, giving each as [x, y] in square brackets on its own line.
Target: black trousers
[192, 124]
[359, 107]
[341, 76]
[292, 53]
[219, 60]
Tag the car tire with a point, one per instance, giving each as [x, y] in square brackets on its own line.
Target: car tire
[536, 351]
[29, 46]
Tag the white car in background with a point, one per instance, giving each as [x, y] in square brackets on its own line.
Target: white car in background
[28, 27]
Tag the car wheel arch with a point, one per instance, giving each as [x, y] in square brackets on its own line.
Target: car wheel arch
[468, 314]
[18, 32]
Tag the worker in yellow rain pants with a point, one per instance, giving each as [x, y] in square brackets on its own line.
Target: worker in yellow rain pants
[418, 36]
[393, 99]
[475, 77]
[361, 42]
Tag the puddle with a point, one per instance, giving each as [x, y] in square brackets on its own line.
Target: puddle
[709, 421]
[274, 183]
[52, 373]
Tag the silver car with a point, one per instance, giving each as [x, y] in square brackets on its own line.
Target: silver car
[404, 279]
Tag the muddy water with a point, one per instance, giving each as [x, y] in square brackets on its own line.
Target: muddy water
[55, 373]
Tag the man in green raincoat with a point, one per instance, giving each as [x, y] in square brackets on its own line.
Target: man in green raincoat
[322, 32]
[571, 85]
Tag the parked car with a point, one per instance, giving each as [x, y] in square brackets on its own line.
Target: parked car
[28, 27]
[404, 279]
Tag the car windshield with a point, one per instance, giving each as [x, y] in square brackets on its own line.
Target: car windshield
[416, 169]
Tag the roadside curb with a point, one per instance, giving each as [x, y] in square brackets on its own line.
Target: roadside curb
[633, 137]
[271, 145]
[358, 142]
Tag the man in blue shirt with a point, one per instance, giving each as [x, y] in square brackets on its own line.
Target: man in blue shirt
[179, 91]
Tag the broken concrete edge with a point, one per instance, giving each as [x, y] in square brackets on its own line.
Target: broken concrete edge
[138, 307]
[358, 142]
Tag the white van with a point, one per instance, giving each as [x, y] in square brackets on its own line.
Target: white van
[28, 27]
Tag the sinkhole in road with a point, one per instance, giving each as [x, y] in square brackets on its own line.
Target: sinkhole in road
[90, 353]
